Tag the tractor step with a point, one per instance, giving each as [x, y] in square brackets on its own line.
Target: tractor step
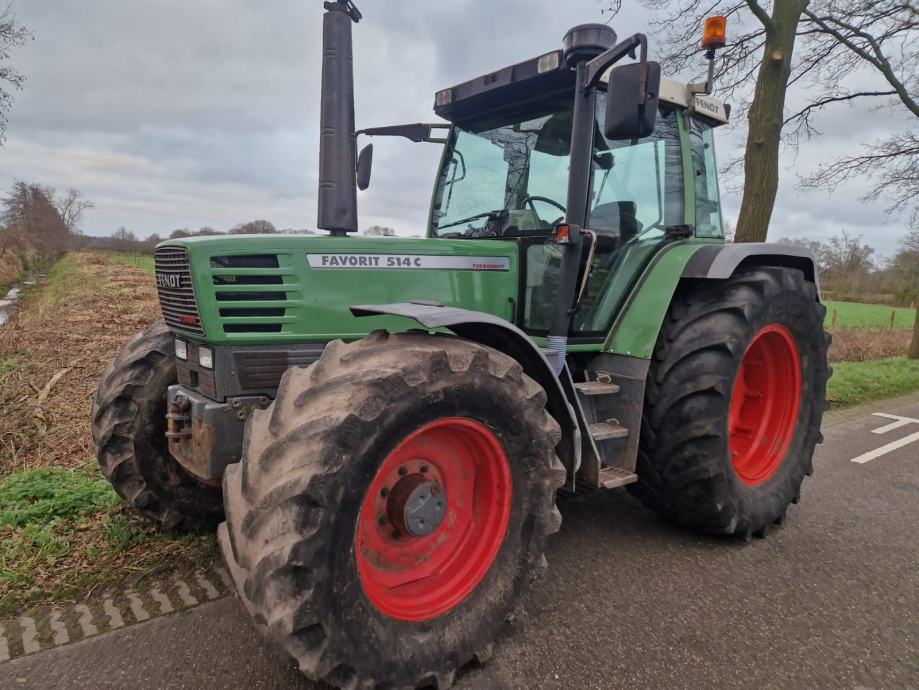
[613, 477]
[604, 431]
[596, 388]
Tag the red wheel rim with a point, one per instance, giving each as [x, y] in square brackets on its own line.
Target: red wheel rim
[415, 578]
[764, 408]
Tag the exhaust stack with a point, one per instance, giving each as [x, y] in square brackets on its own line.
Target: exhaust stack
[337, 147]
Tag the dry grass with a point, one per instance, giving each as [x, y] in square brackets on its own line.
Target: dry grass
[53, 352]
[864, 345]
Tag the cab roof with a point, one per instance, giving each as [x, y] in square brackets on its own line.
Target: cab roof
[510, 88]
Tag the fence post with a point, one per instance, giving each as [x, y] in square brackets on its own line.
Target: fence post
[893, 317]
[833, 324]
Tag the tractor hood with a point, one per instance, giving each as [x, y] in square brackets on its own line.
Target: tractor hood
[262, 289]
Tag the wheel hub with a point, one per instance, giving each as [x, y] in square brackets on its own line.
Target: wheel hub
[416, 505]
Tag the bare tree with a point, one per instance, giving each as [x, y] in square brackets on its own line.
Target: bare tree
[760, 49]
[122, 234]
[882, 37]
[29, 209]
[380, 231]
[812, 47]
[71, 206]
[254, 227]
[12, 35]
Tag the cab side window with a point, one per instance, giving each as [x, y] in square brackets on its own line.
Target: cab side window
[705, 174]
[637, 185]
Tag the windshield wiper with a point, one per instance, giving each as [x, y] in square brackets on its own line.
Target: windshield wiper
[499, 214]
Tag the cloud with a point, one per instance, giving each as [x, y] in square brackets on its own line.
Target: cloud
[184, 113]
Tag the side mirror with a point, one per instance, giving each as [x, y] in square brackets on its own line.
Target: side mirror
[364, 165]
[626, 116]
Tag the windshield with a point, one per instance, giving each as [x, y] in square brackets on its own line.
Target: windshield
[509, 178]
[505, 178]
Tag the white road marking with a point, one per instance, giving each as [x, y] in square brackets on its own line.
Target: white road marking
[884, 450]
[162, 600]
[29, 635]
[137, 608]
[4, 647]
[898, 424]
[85, 620]
[58, 629]
[114, 615]
[209, 590]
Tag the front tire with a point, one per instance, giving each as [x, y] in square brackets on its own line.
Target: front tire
[325, 556]
[734, 401]
[129, 430]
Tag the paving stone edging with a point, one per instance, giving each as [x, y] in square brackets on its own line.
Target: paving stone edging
[847, 414]
[56, 626]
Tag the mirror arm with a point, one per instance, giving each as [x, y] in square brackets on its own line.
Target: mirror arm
[597, 67]
[417, 132]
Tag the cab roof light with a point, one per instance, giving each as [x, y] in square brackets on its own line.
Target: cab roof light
[443, 98]
[715, 33]
[548, 62]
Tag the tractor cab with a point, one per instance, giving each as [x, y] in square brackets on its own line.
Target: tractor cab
[505, 172]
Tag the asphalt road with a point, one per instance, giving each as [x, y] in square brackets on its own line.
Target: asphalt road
[831, 599]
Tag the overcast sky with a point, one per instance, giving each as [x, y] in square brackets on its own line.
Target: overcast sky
[186, 113]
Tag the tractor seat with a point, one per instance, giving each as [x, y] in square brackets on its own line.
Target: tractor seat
[615, 218]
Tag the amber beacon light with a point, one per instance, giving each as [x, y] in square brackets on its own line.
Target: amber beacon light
[715, 32]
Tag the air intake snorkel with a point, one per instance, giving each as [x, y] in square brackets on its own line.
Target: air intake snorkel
[337, 148]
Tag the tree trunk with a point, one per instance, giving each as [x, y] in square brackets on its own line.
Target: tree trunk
[914, 348]
[761, 159]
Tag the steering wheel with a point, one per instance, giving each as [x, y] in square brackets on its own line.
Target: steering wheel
[530, 198]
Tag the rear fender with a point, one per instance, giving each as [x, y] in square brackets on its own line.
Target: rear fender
[635, 330]
[495, 332]
[721, 261]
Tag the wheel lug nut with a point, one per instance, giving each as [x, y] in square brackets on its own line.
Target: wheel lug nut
[396, 534]
[424, 468]
[382, 520]
[403, 471]
[384, 492]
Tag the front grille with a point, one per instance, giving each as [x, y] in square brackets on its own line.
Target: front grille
[253, 292]
[263, 369]
[176, 290]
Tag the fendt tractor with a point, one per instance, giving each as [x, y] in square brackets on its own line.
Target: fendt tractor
[378, 428]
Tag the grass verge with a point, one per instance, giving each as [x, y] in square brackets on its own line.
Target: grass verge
[857, 382]
[65, 533]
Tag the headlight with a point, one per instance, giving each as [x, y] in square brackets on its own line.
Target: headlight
[181, 349]
[206, 357]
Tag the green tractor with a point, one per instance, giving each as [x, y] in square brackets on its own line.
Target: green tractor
[378, 427]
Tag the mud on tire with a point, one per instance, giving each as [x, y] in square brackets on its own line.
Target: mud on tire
[685, 460]
[293, 504]
[129, 426]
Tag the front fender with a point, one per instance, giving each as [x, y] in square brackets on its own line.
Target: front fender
[495, 332]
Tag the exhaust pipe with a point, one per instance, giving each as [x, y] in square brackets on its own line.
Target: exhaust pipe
[337, 147]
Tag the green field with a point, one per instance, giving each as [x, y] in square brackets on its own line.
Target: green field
[144, 262]
[855, 315]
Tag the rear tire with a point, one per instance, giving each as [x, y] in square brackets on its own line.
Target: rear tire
[305, 503]
[706, 460]
[129, 430]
